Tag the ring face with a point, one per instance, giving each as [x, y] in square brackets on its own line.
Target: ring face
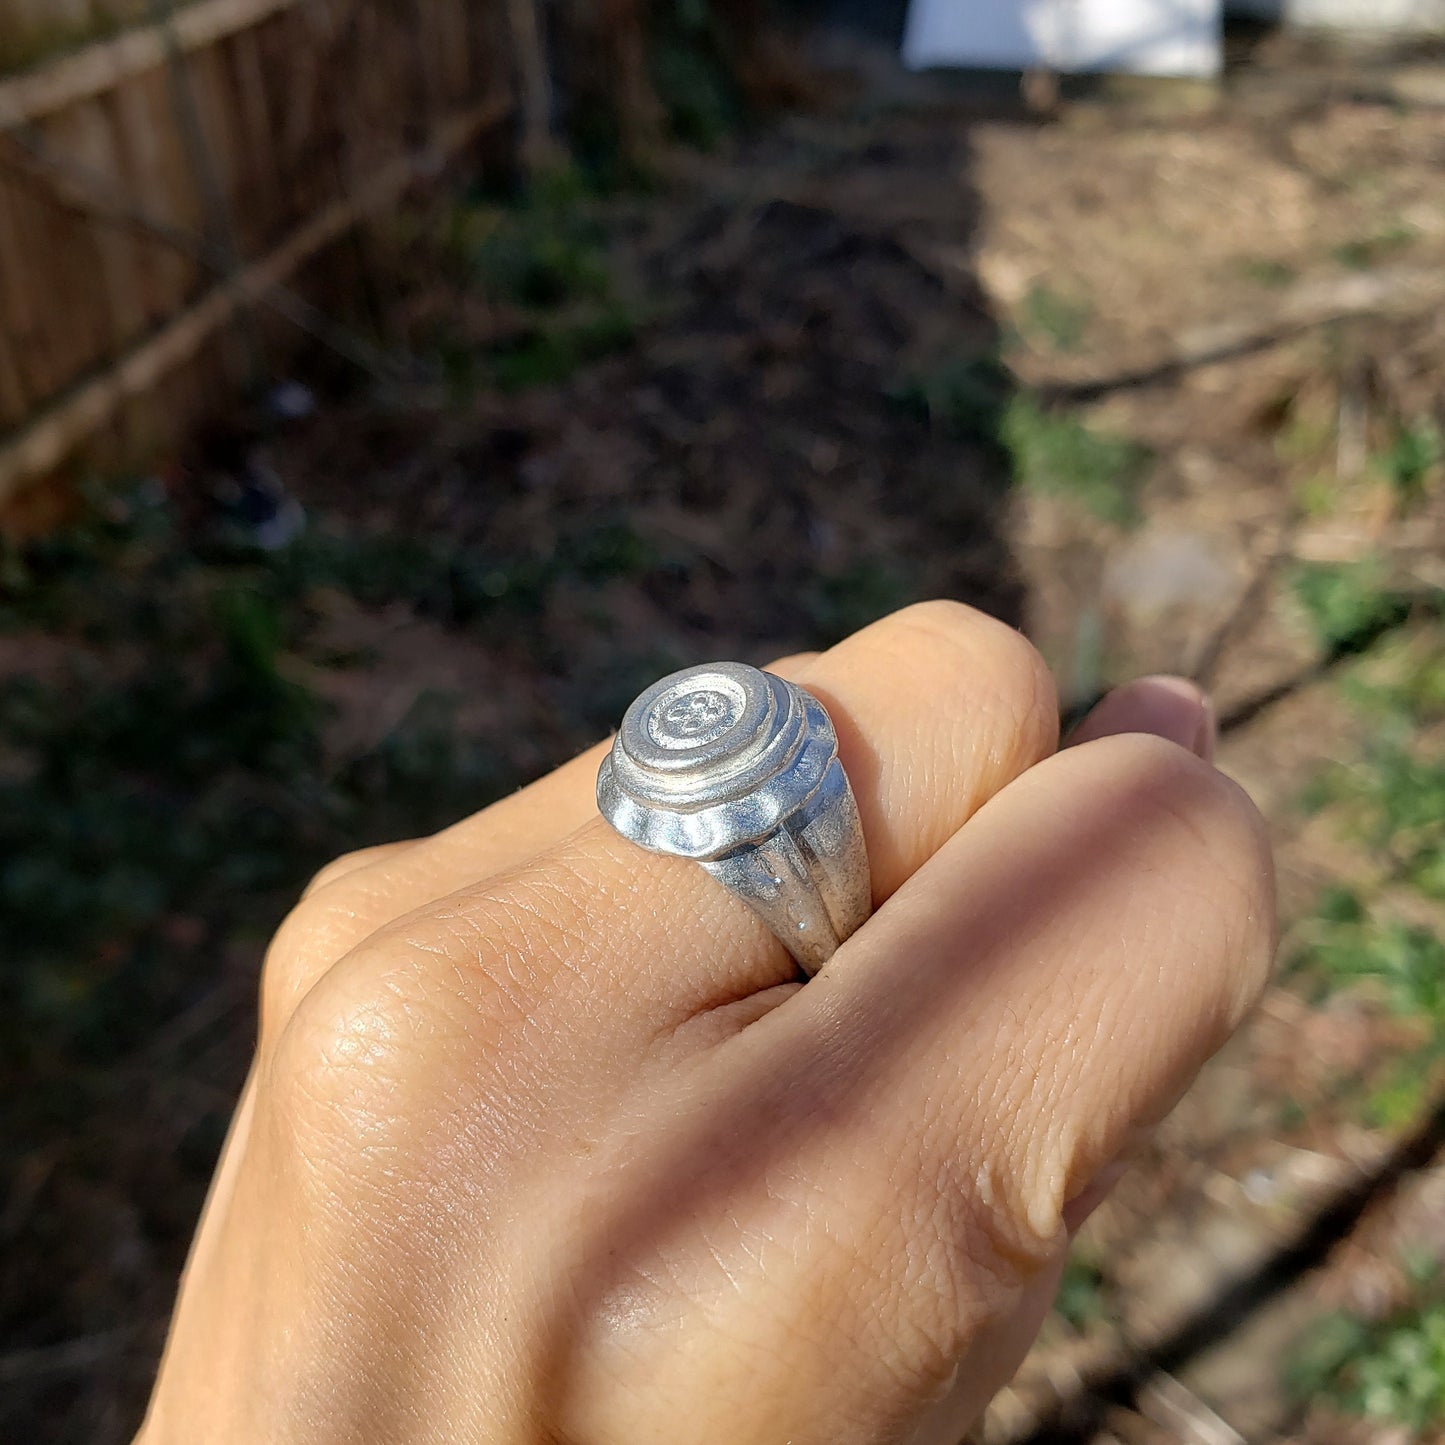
[739, 770]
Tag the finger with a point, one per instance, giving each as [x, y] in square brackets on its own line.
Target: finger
[936, 708]
[502, 836]
[353, 862]
[920, 1114]
[1168, 707]
[360, 892]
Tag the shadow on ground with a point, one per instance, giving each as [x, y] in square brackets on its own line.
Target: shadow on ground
[753, 462]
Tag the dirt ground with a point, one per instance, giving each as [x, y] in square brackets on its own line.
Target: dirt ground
[1153, 372]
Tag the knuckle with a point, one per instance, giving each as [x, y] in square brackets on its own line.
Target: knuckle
[344, 1063]
[998, 668]
[339, 867]
[294, 960]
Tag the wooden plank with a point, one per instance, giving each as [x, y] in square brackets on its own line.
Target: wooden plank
[107, 63]
[83, 136]
[44, 444]
[18, 318]
[13, 405]
[260, 219]
[460, 83]
[149, 171]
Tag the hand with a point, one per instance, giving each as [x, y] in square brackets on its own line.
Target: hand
[543, 1141]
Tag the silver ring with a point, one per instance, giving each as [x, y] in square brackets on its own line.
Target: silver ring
[738, 770]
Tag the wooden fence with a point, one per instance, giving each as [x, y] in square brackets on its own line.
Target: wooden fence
[163, 181]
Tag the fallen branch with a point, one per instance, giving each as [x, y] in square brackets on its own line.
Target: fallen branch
[1306, 306]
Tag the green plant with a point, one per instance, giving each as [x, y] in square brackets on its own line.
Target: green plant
[1348, 945]
[1366, 251]
[1057, 454]
[1061, 320]
[1265, 271]
[1350, 605]
[1393, 1370]
[540, 248]
[964, 395]
[553, 351]
[1414, 457]
[1082, 1298]
[172, 782]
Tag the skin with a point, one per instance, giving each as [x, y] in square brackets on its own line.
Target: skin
[544, 1142]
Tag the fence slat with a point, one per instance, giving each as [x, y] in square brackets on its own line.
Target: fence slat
[105, 64]
[157, 187]
[43, 445]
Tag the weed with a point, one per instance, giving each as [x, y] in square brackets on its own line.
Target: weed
[1276, 275]
[1083, 1295]
[1404, 963]
[546, 256]
[690, 71]
[175, 770]
[1368, 251]
[966, 396]
[1057, 454]
[1388, 1371]
[552, 351]
[543, 248]
[1051, 452]
[1414, 458]
[1349, 605]
[1062, 321]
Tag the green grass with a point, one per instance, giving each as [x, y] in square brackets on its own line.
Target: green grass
[964, 395]
[1275, 275]
[1392, 1371]
[1348, 605]
[1368, 935]
[1083, 1295]
[1051, 451]
[1404, 965]
[692, 75]
[1364, 252]
[1060, 320]
[553, 350]
[545, 256]
[1056, 454]
[1414, 460]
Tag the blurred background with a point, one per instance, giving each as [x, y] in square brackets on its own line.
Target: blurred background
[389, 389]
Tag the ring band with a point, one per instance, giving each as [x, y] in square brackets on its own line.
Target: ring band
[739, 771]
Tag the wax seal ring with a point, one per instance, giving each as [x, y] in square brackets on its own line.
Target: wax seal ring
[739, 771]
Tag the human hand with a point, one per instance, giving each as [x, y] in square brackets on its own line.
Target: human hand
[544, 1142]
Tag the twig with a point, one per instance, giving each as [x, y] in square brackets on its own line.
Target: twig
[1309, 305]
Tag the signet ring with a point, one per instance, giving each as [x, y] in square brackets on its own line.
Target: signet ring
[738, 770]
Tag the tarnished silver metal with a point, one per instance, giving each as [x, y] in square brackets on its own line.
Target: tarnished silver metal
[738, 770]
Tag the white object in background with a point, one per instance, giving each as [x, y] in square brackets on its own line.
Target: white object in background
[1140, 37]
[1405, 17]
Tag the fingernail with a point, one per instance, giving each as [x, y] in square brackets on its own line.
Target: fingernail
[1208, 733]
[1078, 1209]
[1168, 707]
